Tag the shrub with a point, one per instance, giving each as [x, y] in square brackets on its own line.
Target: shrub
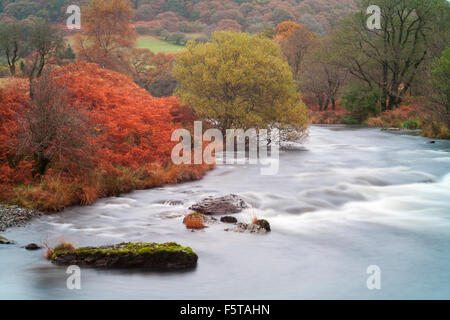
[350, 120]
[410, 125]
[64, 246]
[338, 116]
[177, 38]
[416, 113]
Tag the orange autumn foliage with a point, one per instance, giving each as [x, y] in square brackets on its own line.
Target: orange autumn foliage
[284, 29]
[194, 222]
[130, 144]
[134, 128]
[12, 103]
[329, 116]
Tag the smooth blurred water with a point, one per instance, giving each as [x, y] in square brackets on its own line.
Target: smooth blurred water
[354, 197]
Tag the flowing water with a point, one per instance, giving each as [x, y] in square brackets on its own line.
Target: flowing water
[349, 199]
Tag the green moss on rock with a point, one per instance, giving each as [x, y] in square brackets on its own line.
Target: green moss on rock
[132, 255]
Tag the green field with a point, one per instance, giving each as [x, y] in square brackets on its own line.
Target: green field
[150, 42]
[157, 45]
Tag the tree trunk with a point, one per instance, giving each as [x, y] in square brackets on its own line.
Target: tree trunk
[12, 70]
[327, 102]
[41, 164]
[320, 101]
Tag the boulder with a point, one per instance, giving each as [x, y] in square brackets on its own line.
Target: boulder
[150, 256]
[228, 219]
[220, 205]
[3, 240]
[205, 218]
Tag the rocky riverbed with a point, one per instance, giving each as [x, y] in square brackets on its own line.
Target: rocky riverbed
[14, 216]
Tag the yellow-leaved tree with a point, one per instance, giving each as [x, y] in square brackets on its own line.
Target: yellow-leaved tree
[240, 81]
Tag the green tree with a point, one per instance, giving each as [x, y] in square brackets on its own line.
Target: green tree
[391, 56]
[239, 81]
[13, 44]
[441, 79]
[360, 100]
[177, 38]
[47, 42]
[69, 53]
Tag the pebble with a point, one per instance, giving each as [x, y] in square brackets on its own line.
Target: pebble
[14, 216]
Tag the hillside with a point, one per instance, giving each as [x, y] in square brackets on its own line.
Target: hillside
[201, 15]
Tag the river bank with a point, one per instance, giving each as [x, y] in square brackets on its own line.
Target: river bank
[414, 115]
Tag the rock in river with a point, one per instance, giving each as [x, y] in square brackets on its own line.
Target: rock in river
[260, 227]
[220, 205]
[263, 223]
[32, 246]
[228, 219]
[152, 256]
[3, 240]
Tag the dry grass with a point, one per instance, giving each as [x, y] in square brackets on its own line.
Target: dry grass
[253, 217]
[54, 192]
[63, 246]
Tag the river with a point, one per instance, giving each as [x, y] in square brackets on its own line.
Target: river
[348, 199]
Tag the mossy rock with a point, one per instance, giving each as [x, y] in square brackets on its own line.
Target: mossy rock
[263, 223]
[152, 256]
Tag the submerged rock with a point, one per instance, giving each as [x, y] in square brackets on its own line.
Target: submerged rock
[228, 219]
[220, 205]
[32, 246]
[3, 240]
[261, 227]
[153, 256]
